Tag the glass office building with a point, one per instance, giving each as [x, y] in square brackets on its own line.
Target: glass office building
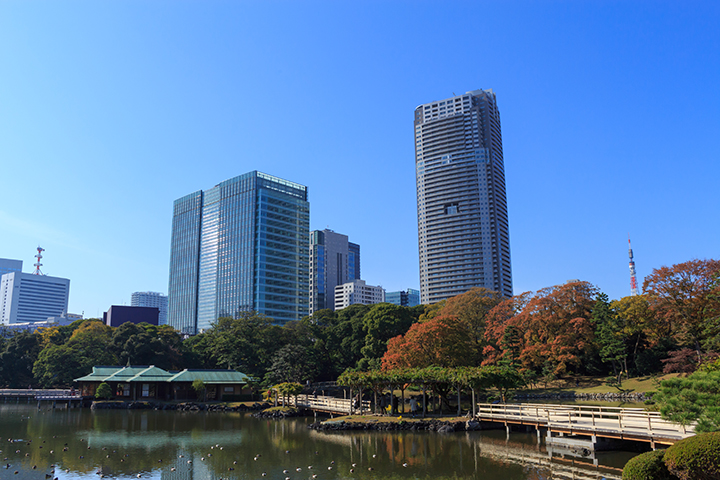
[240, 246]
[333, 261]
[463, 235]
[404, 298]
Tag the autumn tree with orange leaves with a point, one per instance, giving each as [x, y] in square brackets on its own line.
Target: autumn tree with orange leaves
[685, 298]
[443, 341]
[554, 328]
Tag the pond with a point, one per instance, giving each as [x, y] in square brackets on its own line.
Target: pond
[170, 445]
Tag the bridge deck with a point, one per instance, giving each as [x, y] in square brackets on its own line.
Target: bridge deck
[635, 424]
[608, 422]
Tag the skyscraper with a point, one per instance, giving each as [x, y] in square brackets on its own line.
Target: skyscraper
[463, 234]
[152, 299]
[240, 246]
[333, 261]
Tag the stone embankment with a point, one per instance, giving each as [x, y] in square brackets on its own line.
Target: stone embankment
[606, 397]
[180, 407]
[278, 413]
[421, 425]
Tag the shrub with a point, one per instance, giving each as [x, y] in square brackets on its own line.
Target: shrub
[647, 466]
[199, 386]
[697, 457]
[103, 391]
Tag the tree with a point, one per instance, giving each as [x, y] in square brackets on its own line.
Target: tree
[695, 398]
[199, 386]
[16, 361]
[685, 297]
[472, 308]
[381, 323]
[557, 331]
[103, 391]
[440, 342]
[640, 327]
[86, 347]
[610, 336]
[246, 343]
[290, 364]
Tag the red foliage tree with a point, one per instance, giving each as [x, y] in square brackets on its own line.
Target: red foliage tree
[443, 341]
[554, 327]
[684, 297]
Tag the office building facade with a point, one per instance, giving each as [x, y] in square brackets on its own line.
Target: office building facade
[333, 261]
[29, 298]
[8, 265]
[463, 234]
[357, 292]
[119, 314]
[240, 246]
[404, 298]
[151, 299]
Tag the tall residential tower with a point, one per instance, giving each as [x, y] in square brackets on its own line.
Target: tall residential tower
[240, 246]
[463, 234]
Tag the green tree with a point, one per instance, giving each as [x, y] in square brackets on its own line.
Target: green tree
[609, 335]
[291, 363]
[695, 398]
[86, 347]
[16, 361]
[383, 322]
[103, 391]
[199, 386]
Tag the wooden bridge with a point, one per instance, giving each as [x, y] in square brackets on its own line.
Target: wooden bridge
[570, 426]
[64, 396]
[332, 405]
[634, 424]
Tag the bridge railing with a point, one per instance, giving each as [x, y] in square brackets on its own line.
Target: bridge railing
[329, 404]
[34, 392]
[591, 418]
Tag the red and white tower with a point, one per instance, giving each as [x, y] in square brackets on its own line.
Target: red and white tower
[633, 278]
[37, 265]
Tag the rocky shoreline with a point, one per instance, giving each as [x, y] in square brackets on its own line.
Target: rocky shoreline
[607, 397]
[420, 425]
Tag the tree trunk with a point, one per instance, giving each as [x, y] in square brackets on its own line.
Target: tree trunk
[458, 392]
[474, 406]
[424, 401]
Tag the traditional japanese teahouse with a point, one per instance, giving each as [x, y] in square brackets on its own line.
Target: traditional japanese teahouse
[148, 382]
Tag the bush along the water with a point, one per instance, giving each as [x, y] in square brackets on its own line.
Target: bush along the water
[103, 391]
[695, 458]
[647, 466]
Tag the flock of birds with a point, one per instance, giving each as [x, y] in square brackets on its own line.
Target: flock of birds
[51, 475]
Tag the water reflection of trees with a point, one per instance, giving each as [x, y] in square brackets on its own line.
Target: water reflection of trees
[125, 443]
[482, 453]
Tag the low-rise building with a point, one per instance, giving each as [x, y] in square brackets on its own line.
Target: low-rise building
[148, 382]
[357, 292]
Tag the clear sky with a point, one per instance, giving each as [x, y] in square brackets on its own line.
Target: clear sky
[109, 111]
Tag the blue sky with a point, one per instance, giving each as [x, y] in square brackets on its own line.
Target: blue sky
[109, 111]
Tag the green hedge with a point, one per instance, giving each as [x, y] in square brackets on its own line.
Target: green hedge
[647, 466]
[696, 457]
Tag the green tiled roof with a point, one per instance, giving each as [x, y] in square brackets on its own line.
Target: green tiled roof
[151, 373]
[211, 376]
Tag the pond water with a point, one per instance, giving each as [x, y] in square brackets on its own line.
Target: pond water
[167, 445]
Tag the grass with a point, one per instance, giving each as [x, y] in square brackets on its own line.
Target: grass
[599, 385]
